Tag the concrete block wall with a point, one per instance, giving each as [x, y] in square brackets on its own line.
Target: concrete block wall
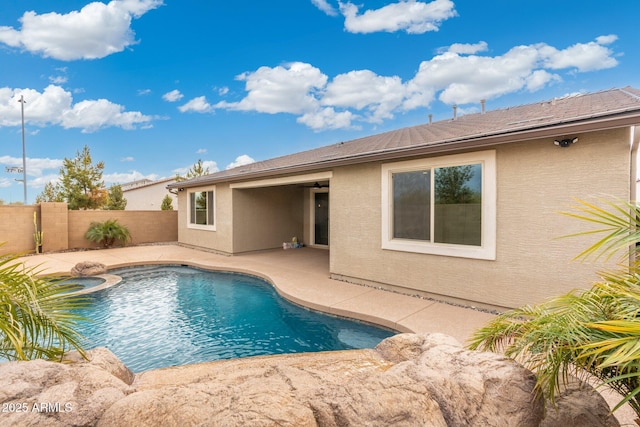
[55, 226]
[64, 229]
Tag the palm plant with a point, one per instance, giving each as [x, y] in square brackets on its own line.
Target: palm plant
[595, 332]
[37, 318]
[107, 233]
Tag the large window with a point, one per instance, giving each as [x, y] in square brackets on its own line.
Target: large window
[442, 206]
[202, 209]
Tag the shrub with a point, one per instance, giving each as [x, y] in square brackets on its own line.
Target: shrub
[108, 233]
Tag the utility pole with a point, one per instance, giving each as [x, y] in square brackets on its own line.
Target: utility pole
[24, 157]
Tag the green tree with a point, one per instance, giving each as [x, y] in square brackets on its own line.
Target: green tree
[196, 170]
[451, 185]
[595, 331]
[80, 183]
[115, 199]
[108, 233]
[37, 318]
[167, 203]
[51, 193]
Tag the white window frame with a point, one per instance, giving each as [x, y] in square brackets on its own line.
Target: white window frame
[487, 249]
[208, 227]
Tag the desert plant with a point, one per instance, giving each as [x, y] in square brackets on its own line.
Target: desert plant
[107, 233]
[37, 318]
[595, 332]
[37, 235]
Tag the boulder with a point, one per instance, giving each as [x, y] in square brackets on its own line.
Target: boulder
[42, 393]
[407, 380]
[88, 268]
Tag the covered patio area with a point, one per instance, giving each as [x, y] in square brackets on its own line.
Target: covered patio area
[300, 275]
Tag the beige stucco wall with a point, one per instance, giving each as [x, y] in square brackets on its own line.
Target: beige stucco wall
[536, 180]
[220, 240]
[269, 217]
[149, 197]
[266, 217]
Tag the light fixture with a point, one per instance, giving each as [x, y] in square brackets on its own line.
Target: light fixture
[564, 143]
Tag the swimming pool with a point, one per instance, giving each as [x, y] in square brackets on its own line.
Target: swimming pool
[161, 316]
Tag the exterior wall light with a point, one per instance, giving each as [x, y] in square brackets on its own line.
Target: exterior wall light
[564, 143]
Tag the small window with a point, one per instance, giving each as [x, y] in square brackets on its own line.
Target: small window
[442, 205]
[201, 209]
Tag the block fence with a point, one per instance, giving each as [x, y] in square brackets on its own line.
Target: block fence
[64, 229]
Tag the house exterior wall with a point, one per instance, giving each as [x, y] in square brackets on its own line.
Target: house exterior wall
[535, 181]
[220, 239]
[269, 217]
[149, 197]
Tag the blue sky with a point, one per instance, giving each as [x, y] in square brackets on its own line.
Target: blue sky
[151, 86]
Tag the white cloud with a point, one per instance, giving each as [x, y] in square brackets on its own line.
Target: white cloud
[412, 16]
[173, 96]
[223, 91]
[143, 92]
[240, 161]
[127, 159]
[124, 177]
[327, 118]
[58, 80]
[468, 49]
[35, 166]
[54, 106]
[282, 89]
[201, 151]
[197, 105]
[459, 75]
[95, 31]
[582, 56]
[365, 90]
[324, 6]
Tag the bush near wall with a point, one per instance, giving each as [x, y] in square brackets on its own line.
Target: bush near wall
[63, 229]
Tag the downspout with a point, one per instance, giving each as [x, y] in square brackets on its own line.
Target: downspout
[635, 143]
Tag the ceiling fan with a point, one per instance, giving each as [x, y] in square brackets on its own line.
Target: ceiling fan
[317, 185]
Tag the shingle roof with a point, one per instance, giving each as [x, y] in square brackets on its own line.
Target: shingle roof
[600, 110]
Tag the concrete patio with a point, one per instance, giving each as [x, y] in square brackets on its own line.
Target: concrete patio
[300, 275]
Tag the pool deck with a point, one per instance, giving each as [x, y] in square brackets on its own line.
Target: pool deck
[300, 275]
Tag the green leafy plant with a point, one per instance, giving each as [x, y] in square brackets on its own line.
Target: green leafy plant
[37, 235]
[37, 318]
[107, 233]
[167, 203]
[594, 332]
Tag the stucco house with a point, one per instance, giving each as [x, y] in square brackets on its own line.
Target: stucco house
[147, 195]
[465, 209]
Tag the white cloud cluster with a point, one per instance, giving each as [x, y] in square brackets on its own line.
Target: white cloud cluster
[95, 31]
[412, 16]
[54, 106]
[125, 177]
[206, 164]
[173, 96]
[240, 161]
[459, 74]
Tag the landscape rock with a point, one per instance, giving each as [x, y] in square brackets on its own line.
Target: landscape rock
[88, 268]
[408, 380]
[578, 405]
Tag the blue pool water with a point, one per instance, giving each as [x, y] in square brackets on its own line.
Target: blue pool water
[172, 315]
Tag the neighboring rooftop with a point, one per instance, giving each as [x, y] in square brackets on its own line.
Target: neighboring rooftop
[585, 112]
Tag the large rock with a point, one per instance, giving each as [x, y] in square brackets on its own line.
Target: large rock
[41, 393]
[408, 380]
[88, 268]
